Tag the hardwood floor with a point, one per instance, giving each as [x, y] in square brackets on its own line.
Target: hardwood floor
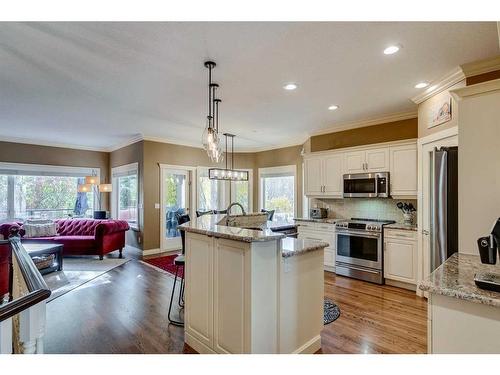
[125, 311]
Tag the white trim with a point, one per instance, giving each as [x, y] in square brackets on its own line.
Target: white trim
[152, 251]
[269, 171]
[367, 122]
[192, 189]
[34, 142]
[446, 133]
[477, 89]
[114, 192]
[480, 67]
[85, 171]
[128, 142]
[450, 79]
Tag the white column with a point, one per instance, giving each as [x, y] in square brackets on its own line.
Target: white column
[32, 328]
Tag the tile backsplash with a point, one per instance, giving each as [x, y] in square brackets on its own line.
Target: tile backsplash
[371, 208]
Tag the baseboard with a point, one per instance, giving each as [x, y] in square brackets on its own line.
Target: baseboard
[310, 347]
[197, 345]
[159, 251]
[329, 268]
[401, 284]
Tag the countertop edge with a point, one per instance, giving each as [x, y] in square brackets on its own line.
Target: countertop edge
[425, 286]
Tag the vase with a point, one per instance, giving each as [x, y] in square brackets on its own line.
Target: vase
[408, 218]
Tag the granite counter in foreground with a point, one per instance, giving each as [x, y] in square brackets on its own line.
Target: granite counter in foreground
[455, 278]
[293, 246]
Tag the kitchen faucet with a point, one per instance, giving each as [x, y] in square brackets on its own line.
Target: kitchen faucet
[235, 204]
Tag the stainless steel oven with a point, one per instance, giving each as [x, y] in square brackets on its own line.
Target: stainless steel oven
[366, 185]
[360, 249]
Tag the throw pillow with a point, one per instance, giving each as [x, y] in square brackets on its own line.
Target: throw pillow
[40, 230]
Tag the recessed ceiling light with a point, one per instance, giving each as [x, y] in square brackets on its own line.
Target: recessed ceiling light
[391, 50]
[333, 107]
[290, 86]
[421, 85]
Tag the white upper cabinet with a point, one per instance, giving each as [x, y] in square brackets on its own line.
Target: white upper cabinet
[312, 173]
[332, 175]
[372, 160]
[323, 171]
[377, 160]
[323, 175]
[403, 170]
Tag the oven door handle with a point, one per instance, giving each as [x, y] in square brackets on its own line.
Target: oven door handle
[360, 234]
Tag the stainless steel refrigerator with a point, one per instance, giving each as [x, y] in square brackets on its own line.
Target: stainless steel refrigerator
[444, 205]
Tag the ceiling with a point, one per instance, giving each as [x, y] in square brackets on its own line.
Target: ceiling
[98, 85]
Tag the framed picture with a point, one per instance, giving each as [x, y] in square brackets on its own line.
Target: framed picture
[440, 113]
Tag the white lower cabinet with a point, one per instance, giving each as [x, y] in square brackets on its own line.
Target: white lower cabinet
[400, 255]
[321, 232]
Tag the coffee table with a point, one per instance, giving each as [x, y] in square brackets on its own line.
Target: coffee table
[37, 249]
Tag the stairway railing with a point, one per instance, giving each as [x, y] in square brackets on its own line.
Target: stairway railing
[22, 318]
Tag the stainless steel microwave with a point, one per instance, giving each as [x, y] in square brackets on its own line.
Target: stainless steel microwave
[366, 185]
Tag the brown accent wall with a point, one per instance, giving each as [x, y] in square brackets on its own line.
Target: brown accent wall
[46, 155]
[483, 77]
[133, 153]
[391, 131]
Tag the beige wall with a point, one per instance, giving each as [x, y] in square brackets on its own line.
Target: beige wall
[33, 154]
[478, 168]
[386, 132]
[425, 110]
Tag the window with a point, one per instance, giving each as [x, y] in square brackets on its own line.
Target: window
[29, 191]
[217, 195]
[277, 191]
[125, 195]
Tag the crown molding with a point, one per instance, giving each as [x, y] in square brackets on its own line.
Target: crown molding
[367, 122]
[480, 67]
[477, 89]
[450, 79]
[34, 142]
[130, 141]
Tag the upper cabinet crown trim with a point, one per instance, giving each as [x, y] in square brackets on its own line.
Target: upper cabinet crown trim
[362, 147]
[478, 89]
[481, 67]
[450, 79]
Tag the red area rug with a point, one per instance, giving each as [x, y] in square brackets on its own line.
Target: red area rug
[166, 263]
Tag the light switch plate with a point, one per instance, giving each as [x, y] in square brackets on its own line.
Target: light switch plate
[157, 206]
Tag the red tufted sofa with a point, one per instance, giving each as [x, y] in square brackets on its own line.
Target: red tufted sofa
[4, 268]
[82, 236]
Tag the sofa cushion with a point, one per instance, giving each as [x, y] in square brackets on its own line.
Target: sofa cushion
[77, 227]
[75, 242]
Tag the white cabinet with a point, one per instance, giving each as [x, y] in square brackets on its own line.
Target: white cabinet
[323, 175]
[323, 171]
[313, 168]
[371, 160]
[403, 161]
[321, 232]
[400, 255]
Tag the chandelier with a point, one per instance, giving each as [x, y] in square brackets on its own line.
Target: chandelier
[210, 139]
[228, 174]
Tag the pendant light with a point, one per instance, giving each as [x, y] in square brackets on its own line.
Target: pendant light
[228, 174]
[210, 137]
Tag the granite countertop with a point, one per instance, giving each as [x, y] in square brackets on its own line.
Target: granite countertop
[402, 226]
[455, 278]
[208, 225]
[324, 221]
[293, 246]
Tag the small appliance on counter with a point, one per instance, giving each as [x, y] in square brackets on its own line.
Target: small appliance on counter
[488, 248]
[318, 213]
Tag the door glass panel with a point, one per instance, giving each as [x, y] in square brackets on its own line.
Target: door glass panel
[174, 201]
[357, 247]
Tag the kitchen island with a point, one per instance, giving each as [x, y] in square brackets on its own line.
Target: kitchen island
[251, 290]
[462, 318]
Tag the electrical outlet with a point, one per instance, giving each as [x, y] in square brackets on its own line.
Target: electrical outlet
[157, 206]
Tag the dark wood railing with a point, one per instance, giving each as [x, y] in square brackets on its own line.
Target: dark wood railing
[27, 294]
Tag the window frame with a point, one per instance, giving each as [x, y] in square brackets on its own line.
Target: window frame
[250, 189]
[286, 170]
[116, 173]
[27, 169]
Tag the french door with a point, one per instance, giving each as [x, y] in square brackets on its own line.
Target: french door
[175, 193]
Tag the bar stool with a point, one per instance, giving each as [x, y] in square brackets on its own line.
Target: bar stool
[179, 262]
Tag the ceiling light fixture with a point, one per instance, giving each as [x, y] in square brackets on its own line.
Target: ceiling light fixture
[228, 174]
[421, 85]
[290, 86]
[333, 107]
[391, 50]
